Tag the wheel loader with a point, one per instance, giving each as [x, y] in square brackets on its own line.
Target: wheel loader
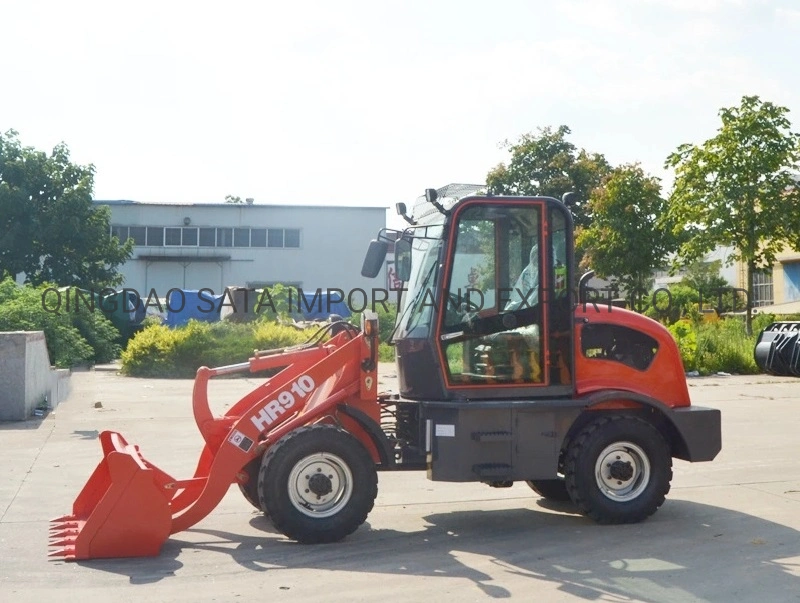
[507, 374]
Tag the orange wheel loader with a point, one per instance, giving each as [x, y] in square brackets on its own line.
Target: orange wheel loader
[506, 373]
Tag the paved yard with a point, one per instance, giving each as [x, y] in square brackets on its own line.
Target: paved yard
[728, 531]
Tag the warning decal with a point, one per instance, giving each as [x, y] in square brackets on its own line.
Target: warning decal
[240, 440]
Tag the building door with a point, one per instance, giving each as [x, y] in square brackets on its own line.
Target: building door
[791, 282]
[188, 275]
[204, 275]
[163, 276]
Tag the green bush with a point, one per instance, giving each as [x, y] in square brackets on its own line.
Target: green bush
[385, 352]
[150, 352]
[73, 337]
[718, 346]
[160, 351]
[725, 346]
[686, 337]
[681, 301]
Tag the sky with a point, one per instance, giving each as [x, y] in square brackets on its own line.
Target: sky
[370, 102]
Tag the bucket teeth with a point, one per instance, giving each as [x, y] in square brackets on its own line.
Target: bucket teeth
[64, 518]
[65, 525]
[65, 542]
[64, 534]
[68, 553]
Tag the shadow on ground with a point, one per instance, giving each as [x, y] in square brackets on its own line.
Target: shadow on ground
[687, 551]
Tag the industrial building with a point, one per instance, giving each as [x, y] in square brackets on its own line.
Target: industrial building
[219, 245]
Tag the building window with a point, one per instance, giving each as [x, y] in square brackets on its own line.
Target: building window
[121, 232]
[762, 288]
[172, 236]
[138, 234]
[208, 237]
[192, 236]
[291, 237]
[258, 237]
[155, 236]
[189, 237]
[275, 237]
[241, 237]
[224, 237]
[282, 237]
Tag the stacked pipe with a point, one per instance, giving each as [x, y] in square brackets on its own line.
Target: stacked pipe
[777, 350]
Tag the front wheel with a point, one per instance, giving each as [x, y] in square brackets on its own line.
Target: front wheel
[317, 484]
[249, 489]
[618, 469]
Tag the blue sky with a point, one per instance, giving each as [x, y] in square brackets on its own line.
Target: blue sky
[369, 103]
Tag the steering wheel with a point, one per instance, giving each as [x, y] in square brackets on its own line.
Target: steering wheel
[465, 308]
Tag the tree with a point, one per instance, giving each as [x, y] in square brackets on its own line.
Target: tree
[546, 163]
[704, 276]
[232, 199]
[49, 227]
[737, 189]
[624, 240]
[713, 289]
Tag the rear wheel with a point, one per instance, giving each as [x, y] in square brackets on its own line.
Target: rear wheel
[551, 489]
[618, 469]
[317, 484]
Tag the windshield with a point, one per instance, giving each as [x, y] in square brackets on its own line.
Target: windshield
[417, 304]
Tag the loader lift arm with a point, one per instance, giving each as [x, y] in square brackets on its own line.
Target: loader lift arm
[129, 506]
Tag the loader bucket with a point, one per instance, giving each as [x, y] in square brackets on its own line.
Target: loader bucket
[122, 511]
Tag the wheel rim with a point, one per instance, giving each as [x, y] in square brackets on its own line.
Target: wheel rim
[622, 471]
[320, 485]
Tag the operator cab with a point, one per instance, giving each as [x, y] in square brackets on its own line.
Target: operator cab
[486, 312]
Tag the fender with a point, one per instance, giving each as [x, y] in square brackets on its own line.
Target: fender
[379, 439]
[696, 431]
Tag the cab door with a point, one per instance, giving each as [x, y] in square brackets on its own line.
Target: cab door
[506, 328]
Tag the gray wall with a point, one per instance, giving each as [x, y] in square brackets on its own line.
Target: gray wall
[26, 378]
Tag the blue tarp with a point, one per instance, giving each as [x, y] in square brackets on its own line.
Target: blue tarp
[185, 305]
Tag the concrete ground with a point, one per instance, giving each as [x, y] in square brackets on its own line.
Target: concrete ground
[728, 531]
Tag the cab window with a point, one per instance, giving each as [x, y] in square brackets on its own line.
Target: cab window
[493, 315]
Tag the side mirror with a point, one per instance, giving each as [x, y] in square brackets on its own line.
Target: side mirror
[401, 211]
[402, 259]
[431, 196]
[373, 262]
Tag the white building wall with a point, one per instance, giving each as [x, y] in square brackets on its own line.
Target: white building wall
[332, 244]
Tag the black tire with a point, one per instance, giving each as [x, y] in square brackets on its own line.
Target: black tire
[633, 449]
[250, 489]
[346, 487]
[551, 489]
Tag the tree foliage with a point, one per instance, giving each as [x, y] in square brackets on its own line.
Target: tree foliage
[624, 240]
[546, 163]
[737, 189]
[233, 199]
[49, 227]
[75, 336]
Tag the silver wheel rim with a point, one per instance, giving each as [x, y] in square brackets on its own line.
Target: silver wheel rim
[320, 485]
[634, 460]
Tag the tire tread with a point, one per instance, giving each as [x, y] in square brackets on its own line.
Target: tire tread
[574, 457]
